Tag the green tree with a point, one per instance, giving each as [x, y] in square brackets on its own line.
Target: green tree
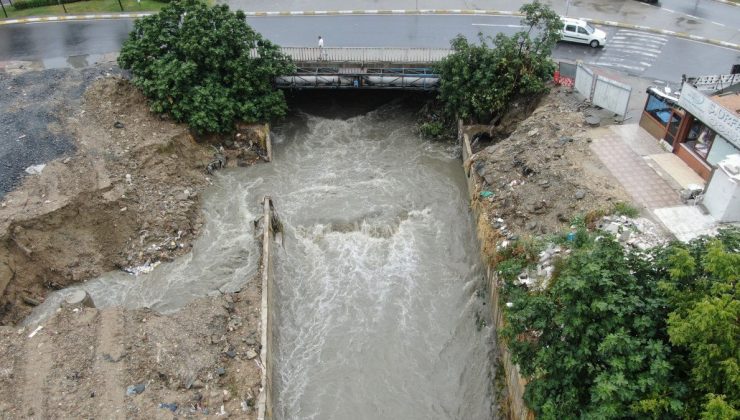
[620, 335]
[478, 80]
[594, 342]
[205, 66]
[705, 323]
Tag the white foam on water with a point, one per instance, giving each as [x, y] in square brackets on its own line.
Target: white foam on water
[374, 281]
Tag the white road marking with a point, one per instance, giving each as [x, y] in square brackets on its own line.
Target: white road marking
[633, 52]
[503, 26]
[624, 66]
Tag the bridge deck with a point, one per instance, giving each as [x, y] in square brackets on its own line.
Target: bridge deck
[368, 68]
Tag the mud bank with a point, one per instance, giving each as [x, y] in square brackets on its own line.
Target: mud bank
[127, 198]
[124, 196]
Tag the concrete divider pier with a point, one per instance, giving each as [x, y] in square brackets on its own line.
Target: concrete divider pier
[268, 338]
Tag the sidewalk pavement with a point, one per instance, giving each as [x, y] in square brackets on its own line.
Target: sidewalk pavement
[652, 176]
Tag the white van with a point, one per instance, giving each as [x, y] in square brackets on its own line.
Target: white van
[577, 30]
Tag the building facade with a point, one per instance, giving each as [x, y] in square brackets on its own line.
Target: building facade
[702, 130]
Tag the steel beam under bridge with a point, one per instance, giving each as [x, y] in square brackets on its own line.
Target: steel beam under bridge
[367, 68]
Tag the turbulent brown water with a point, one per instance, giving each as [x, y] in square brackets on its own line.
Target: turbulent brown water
[378, 275]
[376, 282]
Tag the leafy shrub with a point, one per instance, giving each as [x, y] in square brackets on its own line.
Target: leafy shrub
[28, 4]
[478, 80]
[205, 66]
[433, 129]
[626, 209]
[621, 335]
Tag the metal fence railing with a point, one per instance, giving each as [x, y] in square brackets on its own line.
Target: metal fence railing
[367, 55]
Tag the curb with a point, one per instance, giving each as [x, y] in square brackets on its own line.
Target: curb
[391, 12]
[74, 17]
[731, 3]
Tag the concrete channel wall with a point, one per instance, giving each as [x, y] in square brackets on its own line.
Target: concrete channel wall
[514, 381]
[268, 337]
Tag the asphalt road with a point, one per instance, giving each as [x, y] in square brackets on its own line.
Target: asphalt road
[707, 18]
[710, 11]
[639, 54]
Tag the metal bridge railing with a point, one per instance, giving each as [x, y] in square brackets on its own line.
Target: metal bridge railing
[367, 55]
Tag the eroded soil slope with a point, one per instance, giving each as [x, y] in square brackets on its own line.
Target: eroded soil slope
[124, 193]
[127, 197]
[542, 175]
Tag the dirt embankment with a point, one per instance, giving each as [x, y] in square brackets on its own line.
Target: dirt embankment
[126, 194]
[115, 363]
[127, 197]
[536, 180]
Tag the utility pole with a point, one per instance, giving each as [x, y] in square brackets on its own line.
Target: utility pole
[567, 6]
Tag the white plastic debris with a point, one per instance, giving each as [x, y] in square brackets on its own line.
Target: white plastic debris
[35, 169]
[39, 328]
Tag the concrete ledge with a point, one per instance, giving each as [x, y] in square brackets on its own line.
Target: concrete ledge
[477, 12]
[515, 384]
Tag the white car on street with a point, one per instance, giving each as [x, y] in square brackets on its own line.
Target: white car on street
[580, 31]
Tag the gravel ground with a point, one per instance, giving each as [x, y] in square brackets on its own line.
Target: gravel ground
[34, 108]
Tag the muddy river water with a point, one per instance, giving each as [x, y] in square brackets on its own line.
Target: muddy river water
[376, 281]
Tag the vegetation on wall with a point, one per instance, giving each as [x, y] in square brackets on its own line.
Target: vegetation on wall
[205, 66]
[478, 81]
[619, 334]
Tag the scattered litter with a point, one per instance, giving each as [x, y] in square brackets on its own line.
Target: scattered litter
[169, 406]
[142, 269]
[35, 169]
[39, 328]
[639, 233]
[135, 389]
[486, 194]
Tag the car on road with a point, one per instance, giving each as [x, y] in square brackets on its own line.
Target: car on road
[580, 31]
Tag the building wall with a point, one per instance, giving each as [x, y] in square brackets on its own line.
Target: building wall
[720, 149]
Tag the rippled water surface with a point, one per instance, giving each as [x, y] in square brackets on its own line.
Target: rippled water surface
[378, 274]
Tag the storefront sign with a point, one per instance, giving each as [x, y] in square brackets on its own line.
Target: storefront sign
[715, 116]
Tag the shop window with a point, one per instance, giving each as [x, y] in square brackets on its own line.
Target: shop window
[700, 139]
[659, 109]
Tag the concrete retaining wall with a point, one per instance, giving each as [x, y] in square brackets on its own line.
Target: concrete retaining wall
[268, 338]
[514, 381]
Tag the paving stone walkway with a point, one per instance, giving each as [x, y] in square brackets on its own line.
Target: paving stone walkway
[645, 186]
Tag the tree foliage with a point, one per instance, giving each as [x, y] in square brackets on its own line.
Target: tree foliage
[620, 335]
[705, 323]
[205, 66]
[480, 80]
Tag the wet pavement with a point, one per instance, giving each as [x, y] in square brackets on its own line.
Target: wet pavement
[636, 53]
[707, 18]
[62, 39]
[33, 119]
